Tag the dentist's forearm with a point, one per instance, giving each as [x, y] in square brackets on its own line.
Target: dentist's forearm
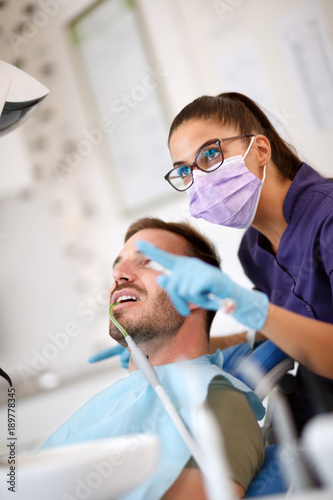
[308, 341]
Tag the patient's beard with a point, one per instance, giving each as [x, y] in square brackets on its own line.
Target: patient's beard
[158, 323]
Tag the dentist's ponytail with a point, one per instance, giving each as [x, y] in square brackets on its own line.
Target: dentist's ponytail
[239, 111]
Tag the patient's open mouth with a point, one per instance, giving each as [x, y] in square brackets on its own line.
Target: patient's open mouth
[126, 298]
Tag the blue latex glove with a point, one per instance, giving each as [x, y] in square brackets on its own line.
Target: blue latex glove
[112, 351]
[189, 279]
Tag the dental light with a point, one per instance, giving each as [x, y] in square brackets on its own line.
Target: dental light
[20, 95]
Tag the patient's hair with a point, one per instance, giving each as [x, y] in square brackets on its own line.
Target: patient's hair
[198, 245]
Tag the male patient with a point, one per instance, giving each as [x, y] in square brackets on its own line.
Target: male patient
[172, 343]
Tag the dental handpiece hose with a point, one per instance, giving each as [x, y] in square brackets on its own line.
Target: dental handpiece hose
[144, 365]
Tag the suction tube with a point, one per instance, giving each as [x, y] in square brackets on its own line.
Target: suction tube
[143, 364]
[209, 457]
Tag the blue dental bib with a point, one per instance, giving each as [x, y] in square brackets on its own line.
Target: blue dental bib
[130, 406]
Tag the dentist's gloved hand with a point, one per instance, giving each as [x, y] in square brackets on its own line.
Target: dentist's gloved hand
[112, 351]
[189, 279]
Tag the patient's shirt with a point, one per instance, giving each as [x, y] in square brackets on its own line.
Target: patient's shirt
[243, 442]
[130, 406]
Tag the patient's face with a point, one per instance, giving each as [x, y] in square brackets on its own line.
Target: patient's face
[144, 310]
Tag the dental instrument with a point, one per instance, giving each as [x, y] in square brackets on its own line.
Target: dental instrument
[295, 468]
[143, 364]
[207, 429]
[217, 471]
[226, 305]
[192, 280]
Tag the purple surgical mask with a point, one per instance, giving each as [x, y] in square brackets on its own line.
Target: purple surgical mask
[229, 196]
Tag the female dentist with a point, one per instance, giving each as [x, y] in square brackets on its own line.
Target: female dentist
[238, 172]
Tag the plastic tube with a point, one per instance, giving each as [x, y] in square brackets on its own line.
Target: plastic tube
[209, 453]
[144, 365]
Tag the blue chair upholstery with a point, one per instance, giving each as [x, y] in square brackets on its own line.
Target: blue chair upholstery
[270, 480]
[266, 355]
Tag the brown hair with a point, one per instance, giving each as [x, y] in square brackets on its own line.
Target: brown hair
[238, 110]
[198, 245]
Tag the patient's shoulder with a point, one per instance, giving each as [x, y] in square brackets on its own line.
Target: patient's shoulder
[221, 383]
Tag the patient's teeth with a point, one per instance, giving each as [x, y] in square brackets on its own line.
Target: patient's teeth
[126, 297]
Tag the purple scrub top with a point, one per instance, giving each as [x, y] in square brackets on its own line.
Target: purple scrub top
[300, 276]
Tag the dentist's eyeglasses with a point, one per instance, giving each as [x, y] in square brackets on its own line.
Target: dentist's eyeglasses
[209, 159]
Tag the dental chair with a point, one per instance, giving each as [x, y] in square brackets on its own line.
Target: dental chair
[271, 361]
[292, 464]
[273, 364]
[102, 469]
